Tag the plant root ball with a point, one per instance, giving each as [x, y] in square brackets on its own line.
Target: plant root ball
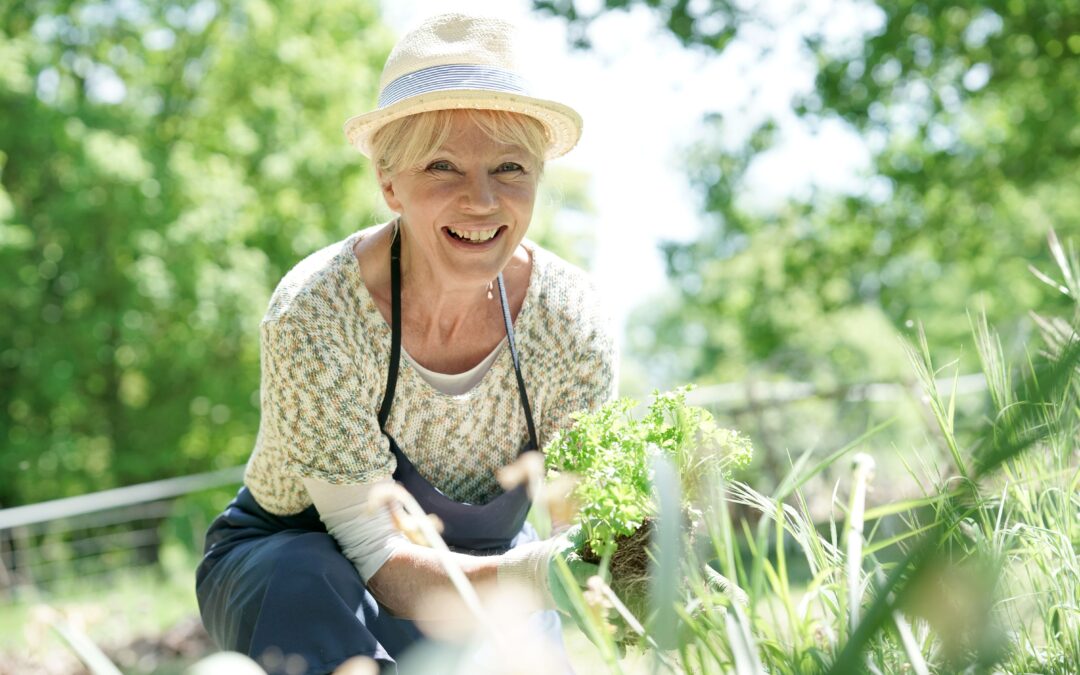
[630, 568]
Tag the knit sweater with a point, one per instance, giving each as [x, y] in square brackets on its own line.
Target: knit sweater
[325, 351]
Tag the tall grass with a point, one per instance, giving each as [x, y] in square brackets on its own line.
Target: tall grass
[981, 572]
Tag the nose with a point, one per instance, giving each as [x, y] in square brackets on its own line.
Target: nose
[479, 194]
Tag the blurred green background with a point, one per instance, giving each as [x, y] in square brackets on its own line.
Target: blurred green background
[162, 165]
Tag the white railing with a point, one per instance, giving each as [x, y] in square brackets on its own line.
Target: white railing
[85, 536]
[732, 396]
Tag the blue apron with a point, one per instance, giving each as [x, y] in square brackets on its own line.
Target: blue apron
[278, 588]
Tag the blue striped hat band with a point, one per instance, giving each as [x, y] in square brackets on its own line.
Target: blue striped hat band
[442, 78]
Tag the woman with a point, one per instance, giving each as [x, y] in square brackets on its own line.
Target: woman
[430, 351]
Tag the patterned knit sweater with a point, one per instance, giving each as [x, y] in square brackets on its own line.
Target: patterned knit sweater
[325, 353]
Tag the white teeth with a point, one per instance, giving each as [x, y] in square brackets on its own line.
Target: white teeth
[474, 235]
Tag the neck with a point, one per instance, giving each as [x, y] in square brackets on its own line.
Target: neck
[440, 308]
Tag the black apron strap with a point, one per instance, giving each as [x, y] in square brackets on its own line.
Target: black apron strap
[534, 442]
[492, 527]
[395, 328]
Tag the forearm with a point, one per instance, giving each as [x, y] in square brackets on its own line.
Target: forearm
[401, 575]
[413, 573]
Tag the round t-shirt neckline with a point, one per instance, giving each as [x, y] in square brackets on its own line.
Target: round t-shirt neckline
[372, 309]
[446, 381]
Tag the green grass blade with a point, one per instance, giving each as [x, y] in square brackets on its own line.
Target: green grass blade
[665, 572]
[832, 457]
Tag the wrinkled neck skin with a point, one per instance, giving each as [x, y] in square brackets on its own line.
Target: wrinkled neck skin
[440, 308]
[447, 323]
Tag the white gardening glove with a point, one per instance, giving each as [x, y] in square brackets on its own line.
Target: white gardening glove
[533, 565]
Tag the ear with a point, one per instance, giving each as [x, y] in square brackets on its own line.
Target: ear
[386, 185]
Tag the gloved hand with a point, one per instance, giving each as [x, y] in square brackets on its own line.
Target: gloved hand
[595, 615]
[556, 570]
[534, 565]
[566, 549]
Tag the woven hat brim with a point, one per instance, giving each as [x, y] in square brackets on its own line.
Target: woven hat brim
[562, 122]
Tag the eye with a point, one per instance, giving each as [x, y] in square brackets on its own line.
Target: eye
[440, 165]
[507, 167]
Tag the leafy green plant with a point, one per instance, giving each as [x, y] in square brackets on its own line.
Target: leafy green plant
[616, 457]
[611, 451]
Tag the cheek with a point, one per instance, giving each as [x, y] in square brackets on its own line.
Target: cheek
[522, 195]
[434, 195]
[426, 198]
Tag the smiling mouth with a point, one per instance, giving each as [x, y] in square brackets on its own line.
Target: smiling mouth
[474, 236]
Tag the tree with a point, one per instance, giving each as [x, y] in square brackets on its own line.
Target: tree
[972, 114]
[162, 166]
[972, 117]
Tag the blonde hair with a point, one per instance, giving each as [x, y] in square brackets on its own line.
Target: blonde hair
[415, 139]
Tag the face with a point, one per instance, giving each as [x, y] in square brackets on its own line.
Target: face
[466, 210]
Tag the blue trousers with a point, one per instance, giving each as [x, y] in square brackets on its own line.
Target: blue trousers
[278, 589]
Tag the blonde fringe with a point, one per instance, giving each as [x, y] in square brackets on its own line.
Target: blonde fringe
[414, 140]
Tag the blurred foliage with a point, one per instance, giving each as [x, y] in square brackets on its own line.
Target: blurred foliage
[162, 166]
[971, 114]
[561, 218]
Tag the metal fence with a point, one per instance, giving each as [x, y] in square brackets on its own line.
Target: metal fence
[734, 397]
[92, 535]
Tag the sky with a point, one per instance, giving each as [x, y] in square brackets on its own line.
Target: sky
[643, 98]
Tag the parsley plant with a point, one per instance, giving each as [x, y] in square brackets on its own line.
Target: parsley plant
[610, 450]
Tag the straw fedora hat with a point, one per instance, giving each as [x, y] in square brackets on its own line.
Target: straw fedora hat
[459, 61]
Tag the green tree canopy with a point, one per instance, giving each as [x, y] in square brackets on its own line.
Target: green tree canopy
[972, 115]
[163, 164]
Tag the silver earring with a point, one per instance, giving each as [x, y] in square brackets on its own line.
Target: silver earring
[490, 296]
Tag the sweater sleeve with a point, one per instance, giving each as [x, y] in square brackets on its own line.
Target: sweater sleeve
[321, 404]
[592, 375]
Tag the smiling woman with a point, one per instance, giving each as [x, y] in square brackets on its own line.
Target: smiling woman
[389, 356]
